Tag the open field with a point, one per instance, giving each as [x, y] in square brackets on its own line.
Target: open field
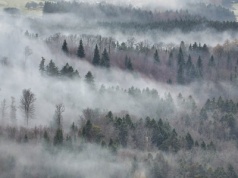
[20, 4]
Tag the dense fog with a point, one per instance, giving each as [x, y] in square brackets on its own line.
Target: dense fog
[119, 89]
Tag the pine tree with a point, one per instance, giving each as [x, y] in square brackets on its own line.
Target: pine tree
[80, 52]
[65, 47]
[89, 79]
[58, 138]
[190, 69]
[211, 62]
[67, 71]
[46, 137]
[199, 67]
[181, 64]
[156, 57]
[96, 57]
[189, 141]
[170, 60]
[105, 61]
[64, 69]
[87, 130]
[76, 74]
[128, 64]
[51, 69]
[42, 65]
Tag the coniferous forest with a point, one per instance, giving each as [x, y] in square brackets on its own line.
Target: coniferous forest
[114, 89]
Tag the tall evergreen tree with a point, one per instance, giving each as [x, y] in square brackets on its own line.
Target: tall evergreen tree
[156, 57]
[181, 65]
[199, 67]
[87, 130]
[96, 57]
[189, 141]
[189, 68]
[51, 69]
[89, 79]
[58, 138]
[105, 60]
[65, 47]
[42, 65]
[170, 60]
[80, 52]
[211, 62]
[128, 63]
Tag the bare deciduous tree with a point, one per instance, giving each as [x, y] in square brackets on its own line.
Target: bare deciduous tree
[59, 109]
[27, 104]
[13, 110]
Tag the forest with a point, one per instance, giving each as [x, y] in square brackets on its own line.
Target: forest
[118, 90]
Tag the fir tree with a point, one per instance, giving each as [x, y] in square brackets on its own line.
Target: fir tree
[211, 62]
[156, 57]
[58, 138]
[128, 64]
[80, 52]
[89, 79]
[65, 47]
[199, 67]
[96, 57]
[181, 64]
[189, 141]
[51, 69]
[87, 130]
[105, 61]
[42, 65]
[46, 137]
[170, 60]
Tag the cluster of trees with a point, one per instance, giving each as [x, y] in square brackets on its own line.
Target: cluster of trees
[34, 5]
[109, 12]
[170, 63]
[102, 60]
[171, 25]
[206, 126]
[114, 132]
[26, 105]
[52, 70]
[212, 12]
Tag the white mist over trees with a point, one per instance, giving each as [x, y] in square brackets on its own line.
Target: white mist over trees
[116, 90]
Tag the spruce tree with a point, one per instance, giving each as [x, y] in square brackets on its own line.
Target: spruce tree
[51, 69]
[65, 47]
[181, 64]
[58, 138]
[87, 130]
[211, 62]
[199, 67]
[156, 57]
[188, 67]
[42, 65]
[96, 57]
[170, 60]
[80, 52]
[189, 141]
[128, 63]
[89, 79]
[105, 61]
